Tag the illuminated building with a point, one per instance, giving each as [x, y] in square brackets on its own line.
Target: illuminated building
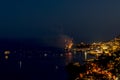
[68, 45]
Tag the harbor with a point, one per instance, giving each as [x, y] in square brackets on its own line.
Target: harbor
[103, 66]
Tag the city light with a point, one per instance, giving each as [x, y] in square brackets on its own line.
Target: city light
[106, 64]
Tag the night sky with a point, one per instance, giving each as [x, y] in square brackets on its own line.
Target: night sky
[48, 20]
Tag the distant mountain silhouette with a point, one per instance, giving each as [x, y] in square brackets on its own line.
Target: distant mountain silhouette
[26, 44]
[14, 43]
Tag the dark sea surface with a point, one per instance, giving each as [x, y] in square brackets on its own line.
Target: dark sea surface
[41, 64]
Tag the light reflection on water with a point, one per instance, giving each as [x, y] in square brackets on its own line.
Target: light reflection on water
[38, 66]
[78, 57]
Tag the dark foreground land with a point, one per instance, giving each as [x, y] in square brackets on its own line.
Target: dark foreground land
[105, 67]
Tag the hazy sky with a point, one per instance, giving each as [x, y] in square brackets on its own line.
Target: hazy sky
[48, 19]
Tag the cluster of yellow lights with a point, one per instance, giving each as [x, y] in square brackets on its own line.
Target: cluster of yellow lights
[7, 54]
[68, 44]
[96, 69]
[105, 47]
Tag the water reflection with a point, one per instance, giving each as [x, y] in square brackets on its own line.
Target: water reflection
[78, 57]
[39, 64]
[69, 58]
[20, 63]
